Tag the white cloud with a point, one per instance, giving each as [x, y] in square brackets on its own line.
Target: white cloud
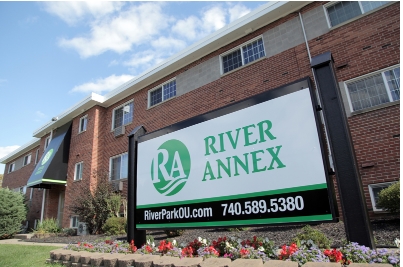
[168, 43]
[4, 151]
[188, 27]
[136, 25]
[237, 11]
[214, 19]
[73, 12]
[103, 85]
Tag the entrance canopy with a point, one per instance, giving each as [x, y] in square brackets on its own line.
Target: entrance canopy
[52, 168]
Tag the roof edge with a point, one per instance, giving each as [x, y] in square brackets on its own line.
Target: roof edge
[20, 151]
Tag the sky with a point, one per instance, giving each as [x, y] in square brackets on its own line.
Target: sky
[54, 54]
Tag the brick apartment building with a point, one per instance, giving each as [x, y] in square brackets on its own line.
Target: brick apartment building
[270, 47]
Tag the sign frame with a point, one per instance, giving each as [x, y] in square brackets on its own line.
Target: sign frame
[271, 94]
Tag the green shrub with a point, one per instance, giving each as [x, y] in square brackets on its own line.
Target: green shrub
[12, 212]
[307, 233]
[114, 226]
[174, 232]
[389, 198]
[48, 226]
[94, 203]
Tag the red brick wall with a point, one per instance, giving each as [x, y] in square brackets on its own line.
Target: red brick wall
[374, 142]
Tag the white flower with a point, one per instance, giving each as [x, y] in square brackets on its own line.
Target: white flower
[174, 242]
[200, 239]
[153, 244]
[397, 242]
[227, 245]
[204, 241]
[260, 249]
[148, 241]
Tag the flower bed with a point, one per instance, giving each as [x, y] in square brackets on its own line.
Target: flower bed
[254, 248]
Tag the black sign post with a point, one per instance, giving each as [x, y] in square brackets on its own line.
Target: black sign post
[356, 220]
[139, 236]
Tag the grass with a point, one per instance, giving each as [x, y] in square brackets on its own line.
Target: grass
[25, 256]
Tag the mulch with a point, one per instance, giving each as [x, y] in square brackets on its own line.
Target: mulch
[385, 232]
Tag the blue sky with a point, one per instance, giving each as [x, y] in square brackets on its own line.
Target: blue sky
[53, 54]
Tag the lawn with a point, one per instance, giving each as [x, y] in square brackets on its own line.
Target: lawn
[25, 256]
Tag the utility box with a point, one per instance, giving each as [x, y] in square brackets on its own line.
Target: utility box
[82, 228]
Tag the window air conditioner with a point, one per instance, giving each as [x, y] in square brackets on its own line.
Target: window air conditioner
[119, 131]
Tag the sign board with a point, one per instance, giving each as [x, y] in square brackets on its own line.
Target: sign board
[259, 161]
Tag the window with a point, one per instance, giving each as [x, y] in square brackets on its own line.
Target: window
[83, 124]
[47, 141]
[11, 167]
[374, 190]
[74, 222]
[118, 167]
[340, 12]
[22, 190]
[78, 171]
[122, 115]
[374, 89]
[243, 55]
[36, 156]
[27, 160]
[162, 93]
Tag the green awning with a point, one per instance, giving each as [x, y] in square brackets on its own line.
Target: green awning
[52, 168]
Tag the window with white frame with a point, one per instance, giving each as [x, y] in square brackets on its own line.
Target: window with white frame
[78, 171]
[74, 222]
[11, 167]
[122, 115]
[339, 12]
[374, 190]
[162, 93]
[242, 55]
[47, 142]
[83, 124]
[374, 89]
[37, 156]
[22, 190]
[27, 160]
[118, 167]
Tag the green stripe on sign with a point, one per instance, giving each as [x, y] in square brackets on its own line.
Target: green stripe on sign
[257, 194]
[313, 218]
[47, 180]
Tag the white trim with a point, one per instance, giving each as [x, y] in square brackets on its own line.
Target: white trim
[29, 156]
[363, 13]
[81, 164]
[239, 47]
[369, 75]
[371, 193]
[110, 166]
[46, 142]
[113, 113]
[85, 117]
[36, 156]
[71, 221]
[162, 93]
[12, 169]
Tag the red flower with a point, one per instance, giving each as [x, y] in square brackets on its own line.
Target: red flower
[164, 246]
[187, 252]
[286, 252]
[244, 252]
[132, 247]
[148, 249]
[334, 255]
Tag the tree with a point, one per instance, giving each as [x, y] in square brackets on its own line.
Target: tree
[1, 179]
[389, 198]
[12, 212]
[95, 203]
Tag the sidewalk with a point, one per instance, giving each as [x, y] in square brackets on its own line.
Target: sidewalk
[15, 241]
